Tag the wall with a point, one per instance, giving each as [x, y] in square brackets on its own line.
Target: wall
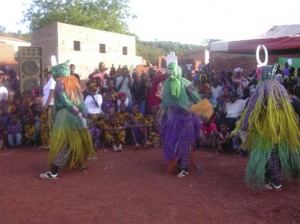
[8, 51]
[46, 38]
[58, 39]
[228, 62]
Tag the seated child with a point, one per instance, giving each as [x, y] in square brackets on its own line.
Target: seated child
[114, 134]
[135, 134]
[223, 139]
[208, 133]
[30, 132]
[95, 134]
[151, 118]
[141, 120]
[154, 134]
[122, 115]
[14, 131]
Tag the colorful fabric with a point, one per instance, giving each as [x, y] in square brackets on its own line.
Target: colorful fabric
[122, 118]
[178, 144]
[139, 118]
[46, 126]
[187, 97]
[273, 168]
[114, 135]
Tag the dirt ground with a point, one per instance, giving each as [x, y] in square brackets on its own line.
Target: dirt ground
[134, 187]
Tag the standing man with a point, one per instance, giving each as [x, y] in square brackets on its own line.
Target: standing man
[47, 108]
[101, 74]
[72, 72]
[124, 82]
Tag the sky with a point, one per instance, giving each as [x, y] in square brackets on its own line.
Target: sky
[189, 21]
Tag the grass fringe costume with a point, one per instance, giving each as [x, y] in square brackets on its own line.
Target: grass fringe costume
[70, 142]
[179, 127]
[272, 134]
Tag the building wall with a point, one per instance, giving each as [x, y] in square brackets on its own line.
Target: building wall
[195, 58]
[228, 62]
[8, 51]
[58, 39]
[46, 38]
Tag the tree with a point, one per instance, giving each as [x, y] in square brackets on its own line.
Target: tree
[108, 15]
[152, 50]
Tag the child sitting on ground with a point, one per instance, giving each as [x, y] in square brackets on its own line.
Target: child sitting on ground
[208, 133]
[29, 131]
[122, 115]
[14, 131]
[223, 139]
[154, 134]
[95, 134]
[114, 134]
[135, 134]
[140, 119]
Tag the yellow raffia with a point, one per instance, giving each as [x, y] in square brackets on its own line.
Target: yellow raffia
[72, 88]
[204, 108]
[274, 124]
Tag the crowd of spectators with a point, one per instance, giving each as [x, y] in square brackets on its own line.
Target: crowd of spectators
[123, 106]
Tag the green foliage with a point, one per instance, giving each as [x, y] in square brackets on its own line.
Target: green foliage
[107, 15]
[153, 49]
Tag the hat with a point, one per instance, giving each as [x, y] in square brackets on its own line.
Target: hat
[121, 95]
[36, 91]
[60, 70]
[238, 70]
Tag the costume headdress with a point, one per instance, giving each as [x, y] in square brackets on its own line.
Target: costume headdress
[174, 73]
[60, 70]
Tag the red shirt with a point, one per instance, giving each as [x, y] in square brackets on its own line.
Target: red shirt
[208, 130]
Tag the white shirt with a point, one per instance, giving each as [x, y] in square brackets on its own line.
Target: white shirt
[3, 93]
[216, 92]
[91, 106]
[189, 67]
[50, 85]
[234, 110]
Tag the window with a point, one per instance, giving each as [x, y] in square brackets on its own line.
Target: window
[102, 48]
[76, 45]
[124, 50]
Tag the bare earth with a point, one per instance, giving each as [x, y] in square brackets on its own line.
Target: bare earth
[133, 187]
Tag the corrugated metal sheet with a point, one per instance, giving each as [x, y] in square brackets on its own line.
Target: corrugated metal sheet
[282, 31]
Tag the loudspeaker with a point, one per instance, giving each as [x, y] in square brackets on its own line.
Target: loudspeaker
[31, 71]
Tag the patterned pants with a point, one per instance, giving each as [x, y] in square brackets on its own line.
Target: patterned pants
[273, 168]
[61, 158]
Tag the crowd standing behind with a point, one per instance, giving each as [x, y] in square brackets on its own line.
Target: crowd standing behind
[123, 108]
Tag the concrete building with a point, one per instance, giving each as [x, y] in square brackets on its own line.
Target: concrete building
[85, 47]
[8, 50]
